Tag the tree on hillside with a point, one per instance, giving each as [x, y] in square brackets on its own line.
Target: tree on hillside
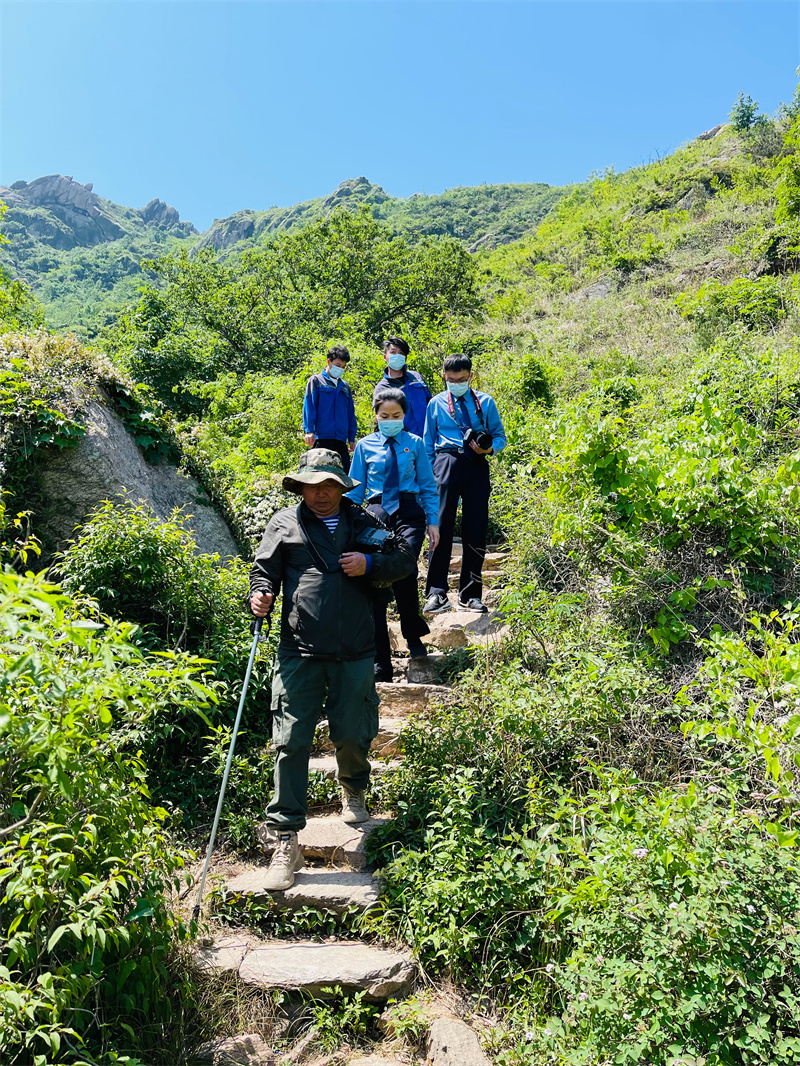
[344, 276]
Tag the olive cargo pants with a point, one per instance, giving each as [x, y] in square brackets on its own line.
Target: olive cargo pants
[303, 689]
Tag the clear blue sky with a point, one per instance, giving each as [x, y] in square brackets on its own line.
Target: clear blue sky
[218, 106]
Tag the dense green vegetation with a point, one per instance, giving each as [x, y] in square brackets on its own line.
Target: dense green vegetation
[596, 837]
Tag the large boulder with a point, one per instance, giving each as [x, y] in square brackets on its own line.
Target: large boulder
[106, 464]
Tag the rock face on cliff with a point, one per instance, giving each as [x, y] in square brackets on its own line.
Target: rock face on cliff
[241, 226]
[63, 214]
[106, 464]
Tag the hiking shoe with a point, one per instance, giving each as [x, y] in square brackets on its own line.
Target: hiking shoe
[416, 649]
[354, 809]
[474, 604]
[287, 859]
[383, 673]
[436, 603]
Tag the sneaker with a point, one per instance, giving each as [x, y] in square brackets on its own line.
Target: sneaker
[383, 673]
[436, 603]
[287, 859]
[474, 604]
[354, 809]
[416, 649]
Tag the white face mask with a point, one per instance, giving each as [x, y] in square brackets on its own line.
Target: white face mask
[396, 360]
[390, 427]
[335, 371]
[458, 388]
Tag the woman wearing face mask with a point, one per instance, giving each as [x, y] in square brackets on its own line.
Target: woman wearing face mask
[397, 483]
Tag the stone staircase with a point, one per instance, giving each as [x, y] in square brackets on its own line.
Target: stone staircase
[337, 878]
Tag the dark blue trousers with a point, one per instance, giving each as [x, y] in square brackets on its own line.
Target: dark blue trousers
[463, 477]
[409, 521]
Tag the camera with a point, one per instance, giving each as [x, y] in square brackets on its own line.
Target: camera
[373, 540]
[481, 437]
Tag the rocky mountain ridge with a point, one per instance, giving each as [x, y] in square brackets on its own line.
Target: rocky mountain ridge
[82, 254]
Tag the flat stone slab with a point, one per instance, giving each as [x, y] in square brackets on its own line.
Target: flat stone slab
[301, 966]
[330, 838]
[457, 629]
[385, 745]
[425, 671]
[399, 701]
[327, 890]
[226, 953]
[246, 1049]
[451, 1042]
[327, 765]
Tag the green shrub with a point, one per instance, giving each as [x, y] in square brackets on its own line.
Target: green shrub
[756, 305]
[86, 866]
[148, 573]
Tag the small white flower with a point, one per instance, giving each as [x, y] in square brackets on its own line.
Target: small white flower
[549, 968]
[547, 1032]
[673, 906]
[582, 996]
[640, 853]
[529, 1037]
[627, 1017]
[600, 960]
[714, 789]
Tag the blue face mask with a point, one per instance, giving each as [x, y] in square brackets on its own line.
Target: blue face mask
[396, 360]
[458, 388]
[335, 371]
[390, 427]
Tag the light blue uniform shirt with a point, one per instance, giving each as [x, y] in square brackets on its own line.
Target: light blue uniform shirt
[443, 432]
[371, 465]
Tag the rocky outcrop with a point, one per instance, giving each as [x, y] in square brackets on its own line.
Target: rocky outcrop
[225, 232]
[106, 464]
[69, 214]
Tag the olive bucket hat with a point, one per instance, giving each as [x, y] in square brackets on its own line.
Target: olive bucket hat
[318, 465]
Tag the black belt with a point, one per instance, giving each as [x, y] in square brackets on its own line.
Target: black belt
[403, 496]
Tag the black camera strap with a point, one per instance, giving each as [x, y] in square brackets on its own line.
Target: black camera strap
[313, 550]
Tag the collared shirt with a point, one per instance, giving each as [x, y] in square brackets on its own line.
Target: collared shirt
[371, 465]
[328, 409]
[417, 395]
[443, 432]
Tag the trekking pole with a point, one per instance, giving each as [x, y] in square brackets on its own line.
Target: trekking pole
[256, 637]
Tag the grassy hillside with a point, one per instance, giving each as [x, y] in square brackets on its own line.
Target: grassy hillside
[595, 840]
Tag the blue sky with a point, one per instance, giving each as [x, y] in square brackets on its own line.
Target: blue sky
[218, 106]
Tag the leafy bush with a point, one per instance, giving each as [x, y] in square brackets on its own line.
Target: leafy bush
[85, 862]
[148, 573]
[758, 305]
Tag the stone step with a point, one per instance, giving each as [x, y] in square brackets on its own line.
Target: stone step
[324, 889]
[327, 765]
[425, 671]
[491, 561]
[400, 701]
[328, 837]
[456, 629]
[385, 745]
[308, 967]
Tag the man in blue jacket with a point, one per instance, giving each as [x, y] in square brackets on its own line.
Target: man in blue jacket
[329, 414]
[462, 428]
[398, 376]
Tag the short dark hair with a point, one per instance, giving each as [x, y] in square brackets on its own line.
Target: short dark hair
[396, 342]
[391, 396]
[457, 363]
[338, 351]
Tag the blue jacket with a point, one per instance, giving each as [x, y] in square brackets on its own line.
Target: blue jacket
[413, 466]
[443, 432]
[417, 395]
[328, 409]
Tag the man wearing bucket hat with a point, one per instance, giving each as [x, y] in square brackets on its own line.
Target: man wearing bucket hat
[318, 554]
